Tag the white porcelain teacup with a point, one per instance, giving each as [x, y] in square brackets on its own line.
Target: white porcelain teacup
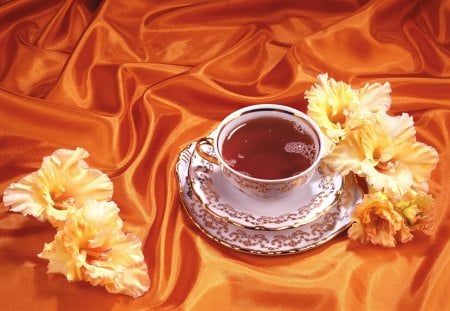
[241, 126]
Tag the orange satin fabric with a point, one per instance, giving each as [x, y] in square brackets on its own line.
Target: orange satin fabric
[134, 81]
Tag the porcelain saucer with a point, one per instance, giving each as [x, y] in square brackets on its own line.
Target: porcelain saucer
[225, 201]
[266, 242]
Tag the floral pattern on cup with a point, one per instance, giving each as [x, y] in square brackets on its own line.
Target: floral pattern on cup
[261, 242]
[223, 200]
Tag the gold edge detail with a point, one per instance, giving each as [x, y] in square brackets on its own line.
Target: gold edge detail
[262, 227]
[267, 109]
[245, 250]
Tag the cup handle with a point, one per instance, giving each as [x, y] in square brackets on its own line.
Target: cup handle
[198, 148]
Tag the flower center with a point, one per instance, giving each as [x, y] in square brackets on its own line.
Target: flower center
[388, 166]
[338, 117]
[97, 253]
[379, 223]
[60, 198]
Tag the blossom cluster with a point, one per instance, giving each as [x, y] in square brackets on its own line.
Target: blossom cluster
[363, 139]
[89, 244]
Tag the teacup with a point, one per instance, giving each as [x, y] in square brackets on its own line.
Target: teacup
[266, 151]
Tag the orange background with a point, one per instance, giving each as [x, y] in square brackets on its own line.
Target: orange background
[134, 81]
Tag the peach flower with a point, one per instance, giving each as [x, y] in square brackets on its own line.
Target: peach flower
[376, 221]
[91, 246]
[63, 181]
[385, 151]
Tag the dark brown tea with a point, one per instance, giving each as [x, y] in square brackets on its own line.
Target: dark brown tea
[269, 148]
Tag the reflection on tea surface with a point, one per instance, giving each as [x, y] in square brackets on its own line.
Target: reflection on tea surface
[270, 148]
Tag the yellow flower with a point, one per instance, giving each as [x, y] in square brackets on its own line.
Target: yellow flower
[337, 108]
[329, 104]
[385, 151]
[92, 247]
[63, 181]
[376, 221]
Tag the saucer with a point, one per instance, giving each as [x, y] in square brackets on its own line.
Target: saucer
[266, 242]
[225, 201]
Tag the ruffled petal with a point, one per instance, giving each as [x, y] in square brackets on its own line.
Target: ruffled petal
[126, 251]
[102, 214]
[375, 97]
[133, 281]
[376, 142]
[421, 159]
[25, 197]
[396, 180]
[328, 106]
[401, 128]
[347, 156]
[62, 259]
[356, 233]
[383, 238]
[110, 273]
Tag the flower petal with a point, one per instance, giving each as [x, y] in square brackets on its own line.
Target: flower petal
[133, 281]
[421, 159]
[375, 97]
[376, 141]
[328, 106]
[102, 214]
[401, 128]
[396, 180]
[64, 260]
[130, 271]
[24, 197]
[347, 156]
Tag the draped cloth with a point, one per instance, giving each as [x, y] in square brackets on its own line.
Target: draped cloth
[133, 82]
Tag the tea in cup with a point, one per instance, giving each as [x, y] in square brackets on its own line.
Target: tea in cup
[266, 151]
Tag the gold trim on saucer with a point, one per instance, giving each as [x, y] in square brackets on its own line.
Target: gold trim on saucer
[303, 211]
[268, 241]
